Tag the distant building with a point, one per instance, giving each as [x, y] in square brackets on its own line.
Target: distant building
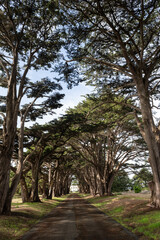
[74, 188]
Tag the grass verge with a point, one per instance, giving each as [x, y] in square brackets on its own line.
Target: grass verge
[24, 216]
[132, 212]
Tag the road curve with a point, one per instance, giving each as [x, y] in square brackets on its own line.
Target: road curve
[76, 219]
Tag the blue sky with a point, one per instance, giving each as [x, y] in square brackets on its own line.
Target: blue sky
[72, 96]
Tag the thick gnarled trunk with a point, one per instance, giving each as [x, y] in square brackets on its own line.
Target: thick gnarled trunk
[12, 189]
[5, 161]
[4, 182]
[16, 179]
[100, 184]
[8, 138]
[151, 136]
[109, 183]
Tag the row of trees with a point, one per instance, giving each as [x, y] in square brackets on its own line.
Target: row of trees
[108, 140]
[28, 40]
[95, 142]
[115, 45]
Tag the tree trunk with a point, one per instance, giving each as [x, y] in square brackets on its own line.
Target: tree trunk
[18, 173]
[5, 159]
[83, 186]
[8, 137]
[109, 185]
[92, 190]
[51, 176]
[45, 191]
[57, 186]
[152, 138]
[12, 190]
[99, 184]
[66, 185]
[4, 182]
[34, 191]
[15, 181]
[153, 193]
[90, 179]
[50, 192]
[24, 190]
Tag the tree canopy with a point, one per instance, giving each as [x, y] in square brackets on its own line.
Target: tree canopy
[29, 39]
[112, 45]
[118, 47]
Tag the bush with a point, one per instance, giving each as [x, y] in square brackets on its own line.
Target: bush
[121, 183]
[137, 188]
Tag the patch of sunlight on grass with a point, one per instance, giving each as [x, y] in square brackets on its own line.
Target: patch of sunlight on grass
[143, 220]
[105, 199]
[61, 198]
[115, 199]
[117, 210]
[97, 199]
[83, 194]
[100, 205]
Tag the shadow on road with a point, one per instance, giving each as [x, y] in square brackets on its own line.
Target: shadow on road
[76, 219]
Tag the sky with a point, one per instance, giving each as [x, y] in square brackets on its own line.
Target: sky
[71, 99]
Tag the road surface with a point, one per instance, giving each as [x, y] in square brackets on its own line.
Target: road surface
[76, 219]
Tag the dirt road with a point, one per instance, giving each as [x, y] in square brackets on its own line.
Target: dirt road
[75, 219]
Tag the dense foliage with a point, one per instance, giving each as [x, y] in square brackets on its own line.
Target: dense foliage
[112, 45]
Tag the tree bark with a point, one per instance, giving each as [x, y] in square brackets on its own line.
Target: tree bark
[4, 182]
[152, 138]
[24, 190]
[12, 189]
[15, 181]
[109, 185]
[45, 190]
[34, 190]
[51, 176]
[100, 185]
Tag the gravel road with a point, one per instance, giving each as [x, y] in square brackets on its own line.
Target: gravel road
[76, 219]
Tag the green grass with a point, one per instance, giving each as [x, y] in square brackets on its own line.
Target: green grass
[95, 200]
[83, 194]
[117, 210]
[148, 224]
[24, 216]
[143, 223]
[100, 205]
